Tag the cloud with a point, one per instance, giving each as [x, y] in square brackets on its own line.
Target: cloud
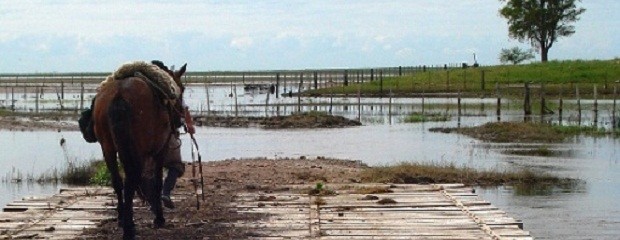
[241, 43]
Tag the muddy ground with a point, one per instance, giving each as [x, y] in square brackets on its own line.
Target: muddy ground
[222, 181]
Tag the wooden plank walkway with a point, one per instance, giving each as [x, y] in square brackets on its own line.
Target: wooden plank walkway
[448, 211]
[61, 216]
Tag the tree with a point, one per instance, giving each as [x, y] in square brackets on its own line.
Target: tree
[515, 55]
[542, 22]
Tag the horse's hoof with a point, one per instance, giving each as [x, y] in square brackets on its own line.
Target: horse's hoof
[159, 223]
[129, 234]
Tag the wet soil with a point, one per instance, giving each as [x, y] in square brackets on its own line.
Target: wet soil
[303, 120]
[222, 181]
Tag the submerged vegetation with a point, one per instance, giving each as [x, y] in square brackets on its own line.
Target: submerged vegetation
[92, 172]
[426, 117]
[522, 132]
[432, 173]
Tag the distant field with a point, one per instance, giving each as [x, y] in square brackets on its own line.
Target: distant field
[556, 77]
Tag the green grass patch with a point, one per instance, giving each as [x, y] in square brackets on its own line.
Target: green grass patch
[426, 117]
[525, 132]
[557, 77]
[432, 173]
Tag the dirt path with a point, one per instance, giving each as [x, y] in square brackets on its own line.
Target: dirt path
[223, 180]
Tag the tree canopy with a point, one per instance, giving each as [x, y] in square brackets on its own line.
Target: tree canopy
[515, 55]
[541, 22]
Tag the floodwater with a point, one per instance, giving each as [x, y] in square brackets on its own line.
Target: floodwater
[585, 211]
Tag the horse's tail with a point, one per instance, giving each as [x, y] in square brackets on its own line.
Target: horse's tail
[119, 116]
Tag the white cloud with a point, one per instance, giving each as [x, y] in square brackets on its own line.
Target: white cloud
[241, 43]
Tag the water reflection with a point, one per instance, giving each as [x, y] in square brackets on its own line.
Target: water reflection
[544, 189]
[587, 210]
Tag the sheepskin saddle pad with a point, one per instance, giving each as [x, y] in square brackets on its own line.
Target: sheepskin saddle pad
[149, 72]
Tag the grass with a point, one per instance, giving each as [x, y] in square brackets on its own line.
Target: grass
[418, 173]
[525, 132]
[426, 117]
[557, 76]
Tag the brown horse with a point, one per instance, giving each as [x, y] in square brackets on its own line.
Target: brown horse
[135, 117]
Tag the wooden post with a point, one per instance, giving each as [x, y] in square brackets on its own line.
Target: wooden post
[277, 85]
[400, 70]
[458, 105]
[527, 107]
[578, 105]
[423, 105]
[12, 98]
[236, 103]
[316, 81]
[381, 83]
[498, 112]
[561, 107]
[81, 96]
[613, 111]
[359, 102]
[208, 100]
[267, 104]
[36, 100]
[372, 74]
[62, 89]
[390, 107]
[543, 106]
[595, 106]
[346, 78]
[331, 101]
[301, 82]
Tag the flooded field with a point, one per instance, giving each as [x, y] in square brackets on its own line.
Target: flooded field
[587, 211]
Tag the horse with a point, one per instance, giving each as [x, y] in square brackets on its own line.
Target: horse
[135, 116]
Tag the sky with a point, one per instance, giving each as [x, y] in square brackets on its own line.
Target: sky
[44, 36]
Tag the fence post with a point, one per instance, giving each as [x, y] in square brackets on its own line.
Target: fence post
[578, 104]
[527, 107]
[561, 107]
[595, 106]
[316, 80]
[301, 82]
[613, 114]
[81, 96]
[499, 102]
[381, 82]
[277, 85]
[346, 78]
[372, 74]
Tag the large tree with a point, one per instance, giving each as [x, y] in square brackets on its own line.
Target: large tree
[542, 22]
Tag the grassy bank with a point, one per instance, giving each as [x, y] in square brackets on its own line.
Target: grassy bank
[557, 76]
[526, 132]
[432, 173]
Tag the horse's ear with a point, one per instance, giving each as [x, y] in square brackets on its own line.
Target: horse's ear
[181, 71]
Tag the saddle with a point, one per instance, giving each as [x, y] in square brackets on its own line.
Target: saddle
[163, 85]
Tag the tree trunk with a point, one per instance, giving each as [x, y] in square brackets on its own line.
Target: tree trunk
[544, 51]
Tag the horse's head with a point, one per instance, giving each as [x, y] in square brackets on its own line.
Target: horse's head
[176, 75]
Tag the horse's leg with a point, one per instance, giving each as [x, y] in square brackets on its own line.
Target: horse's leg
[156, 193]
[132, 179]
[117, 183]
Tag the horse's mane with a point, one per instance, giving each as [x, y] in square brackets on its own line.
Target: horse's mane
[149, 71]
